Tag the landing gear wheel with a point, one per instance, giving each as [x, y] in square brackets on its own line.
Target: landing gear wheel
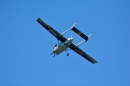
[51, 53]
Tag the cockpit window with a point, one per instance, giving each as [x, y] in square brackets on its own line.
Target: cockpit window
[55, 45]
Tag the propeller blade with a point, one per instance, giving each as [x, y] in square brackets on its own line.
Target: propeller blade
[71, 36]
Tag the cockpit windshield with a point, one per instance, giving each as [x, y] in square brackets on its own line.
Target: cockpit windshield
[55, 45]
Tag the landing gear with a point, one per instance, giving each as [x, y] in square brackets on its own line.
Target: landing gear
[67, 53]
[51, 53]
[54, 56]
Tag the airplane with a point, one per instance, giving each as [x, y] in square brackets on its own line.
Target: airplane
[67, 42]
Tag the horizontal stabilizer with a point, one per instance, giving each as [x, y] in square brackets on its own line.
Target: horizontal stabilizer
[80, 33]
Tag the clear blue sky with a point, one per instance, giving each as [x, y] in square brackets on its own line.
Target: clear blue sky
[25, 46]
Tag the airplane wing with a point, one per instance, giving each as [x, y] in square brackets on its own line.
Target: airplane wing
[82, 53]
[51, 30]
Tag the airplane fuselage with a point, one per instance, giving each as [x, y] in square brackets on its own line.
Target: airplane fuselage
[62, 47]
[67, 43]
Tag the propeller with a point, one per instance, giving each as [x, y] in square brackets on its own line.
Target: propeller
[75, 42]
[71, 36]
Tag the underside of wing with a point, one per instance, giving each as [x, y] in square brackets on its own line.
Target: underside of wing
[82, 53]
[51, 30]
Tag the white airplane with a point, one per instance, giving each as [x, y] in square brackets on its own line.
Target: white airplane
[67, 43]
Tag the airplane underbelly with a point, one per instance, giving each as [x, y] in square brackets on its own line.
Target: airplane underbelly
[62, 48]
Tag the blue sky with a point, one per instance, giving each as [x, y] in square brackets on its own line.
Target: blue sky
[25, 46]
